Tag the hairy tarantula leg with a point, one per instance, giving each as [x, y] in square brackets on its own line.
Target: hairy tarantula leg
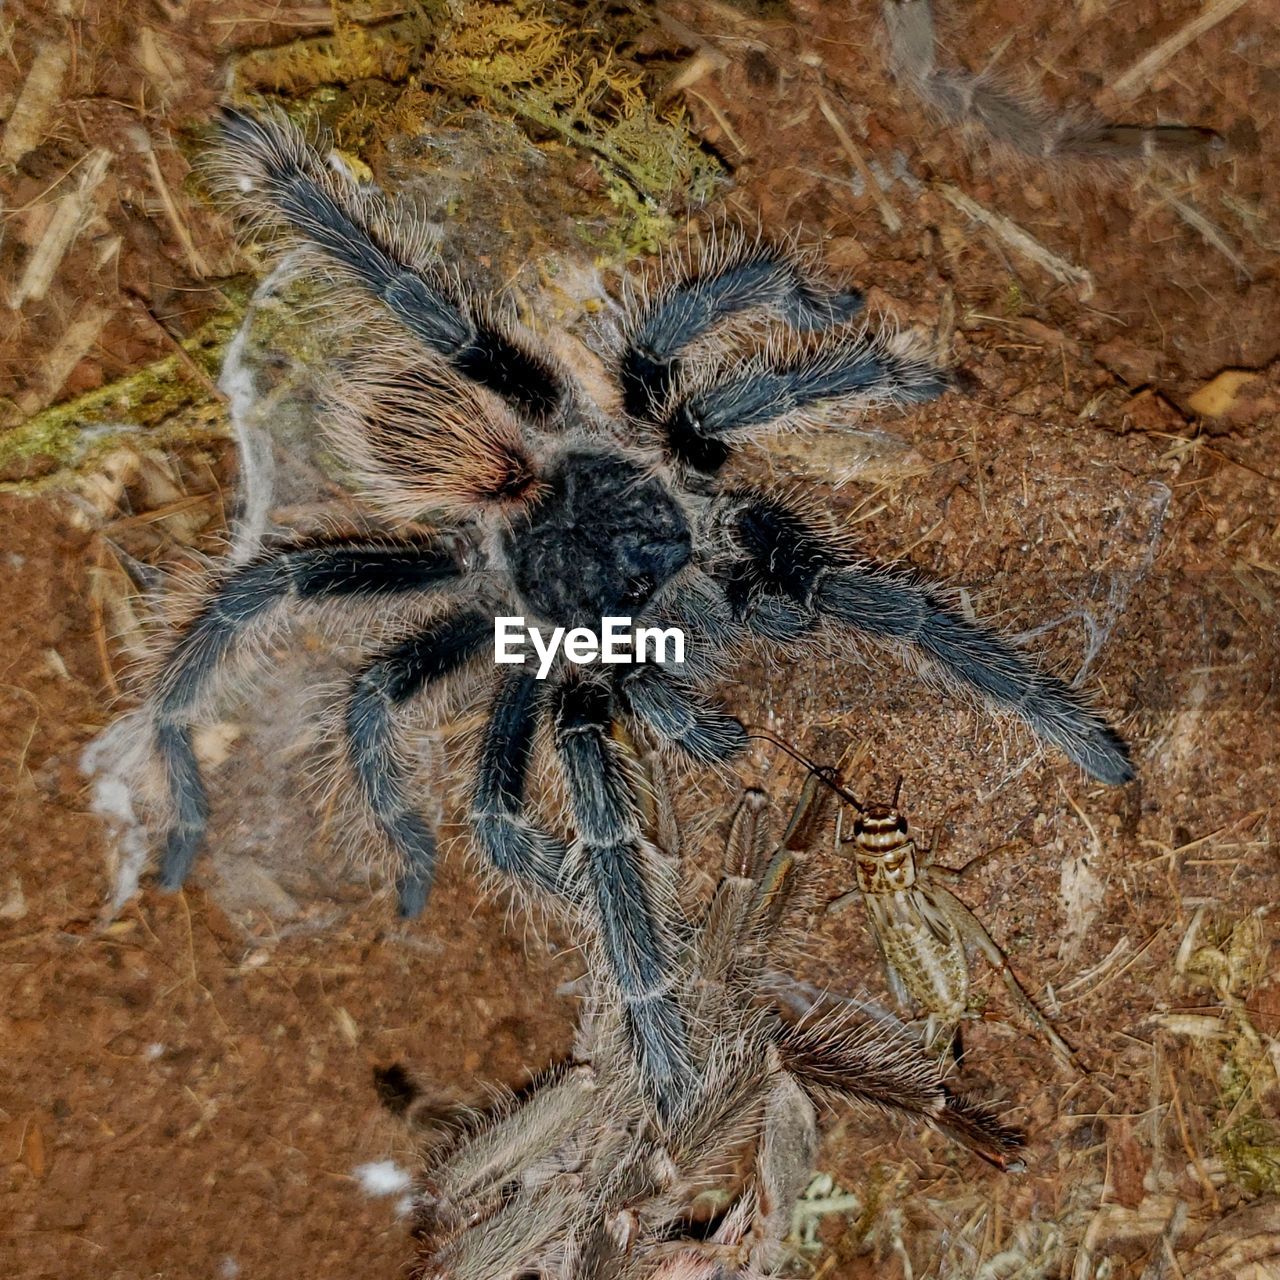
[974, 1123]
[509, 840]
[843, 376]
[517, 1133]
[788, 561]
[274, 173]
[667, 706]
[788, 1157]
[838, 1063]
[751, 275]
[356, 570]
[382, 778]
[622, 873]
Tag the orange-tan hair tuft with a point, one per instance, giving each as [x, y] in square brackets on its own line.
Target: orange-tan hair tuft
[422, 440]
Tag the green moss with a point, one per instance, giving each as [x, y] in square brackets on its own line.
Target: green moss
[535, 63]
[1249, 1146]
[1250, 1151]
[354, 50]
[548, 66]
[641, 227]
[148, 402]
[550, 73]
[1230, 962]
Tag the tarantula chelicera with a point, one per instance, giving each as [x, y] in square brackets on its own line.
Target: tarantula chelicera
[567, 512]
[577, 1177]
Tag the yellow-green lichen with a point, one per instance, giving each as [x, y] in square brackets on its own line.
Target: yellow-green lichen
[166, 400]
[383, 73]
[370, 40]
[1250, 1152]
[1231, 961]
[1248, 1143]
[533, 62]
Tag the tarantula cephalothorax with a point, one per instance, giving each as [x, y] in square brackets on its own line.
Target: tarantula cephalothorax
[567, 512]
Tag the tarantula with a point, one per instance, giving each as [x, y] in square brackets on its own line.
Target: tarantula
[567, 512]
[577, 1176]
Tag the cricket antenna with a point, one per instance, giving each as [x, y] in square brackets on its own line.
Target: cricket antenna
[827, 774]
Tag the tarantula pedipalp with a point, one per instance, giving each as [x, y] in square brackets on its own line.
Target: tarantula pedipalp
[578, 1177]
[567, 515]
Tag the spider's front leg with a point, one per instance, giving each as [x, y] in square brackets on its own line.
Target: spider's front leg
[743, 275]
[665, 698]
[355, 571]
[791, 579]
[679, 716]
[838, 378]
[275, 176]
[624, 878]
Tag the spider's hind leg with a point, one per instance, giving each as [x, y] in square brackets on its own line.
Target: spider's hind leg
[356, 571]
[381, 774]
[839, 1062]
[625, 880]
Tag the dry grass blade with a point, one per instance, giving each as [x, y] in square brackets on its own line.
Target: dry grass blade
[1212, 234]
[888, 214]
[1136, 79]
[29, 118]
[199, 268]
[63, 228]
[78, 338]
[1020, 241]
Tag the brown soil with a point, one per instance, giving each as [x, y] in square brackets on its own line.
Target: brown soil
[186, 1088]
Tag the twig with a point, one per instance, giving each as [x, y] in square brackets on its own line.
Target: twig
[97, 622]
[62, 230]
[1133, 81]
[195, 259]
[722, 120]
[1020, 241]
[888, 214]
[1198, 442]
[1192, 1154]
[1212, 235]
[1162, 1252]
[40, 91]
[1112, 958]
[183, 355]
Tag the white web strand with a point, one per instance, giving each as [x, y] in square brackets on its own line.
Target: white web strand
[254, 443]
[113, 762]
